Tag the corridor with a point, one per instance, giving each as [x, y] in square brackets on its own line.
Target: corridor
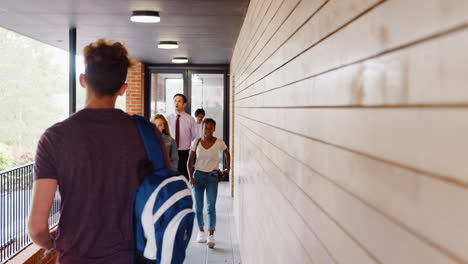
[226, 250]
[346, 120]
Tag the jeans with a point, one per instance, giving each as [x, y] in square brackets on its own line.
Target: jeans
[208, 181]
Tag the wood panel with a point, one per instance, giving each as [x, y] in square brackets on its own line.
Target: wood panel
[304, 29]
[251, 26]
[282, 11]
[416, 202]
[349, 125]
[249, 17]
[428, 73]
[260, 235]
[259, 17]
[381, 239]
[300, 13]
[288, 12]
[260, 30]
[382, 30]
[428, 139]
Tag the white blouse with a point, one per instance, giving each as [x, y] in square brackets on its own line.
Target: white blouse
[207, 159]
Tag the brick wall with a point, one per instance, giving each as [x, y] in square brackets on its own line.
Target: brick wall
[135, 90]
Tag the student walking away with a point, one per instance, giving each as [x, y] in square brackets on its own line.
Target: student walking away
[163, 208]
[161, 123]
[93, 157]
[184, 129]
[205, 177]
[199, 116]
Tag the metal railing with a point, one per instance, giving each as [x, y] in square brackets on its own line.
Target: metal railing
[15, 200]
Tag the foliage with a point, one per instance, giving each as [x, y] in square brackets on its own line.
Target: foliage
[24, 158]
[6, 159]
[33, 91]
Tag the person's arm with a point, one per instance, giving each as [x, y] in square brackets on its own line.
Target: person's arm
[228, 161]
[174, 155]
[38, 222]
[190, 166]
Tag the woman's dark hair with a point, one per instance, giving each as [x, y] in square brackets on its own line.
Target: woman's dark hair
[181, 95]
[200, 111]
[209, 120]
[106, 66]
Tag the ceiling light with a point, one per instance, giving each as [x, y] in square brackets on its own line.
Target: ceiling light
[179, 60]
[143, 16]
[168, 45]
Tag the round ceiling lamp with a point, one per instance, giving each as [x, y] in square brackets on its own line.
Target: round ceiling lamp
[168, 45]
[145, 16]
[180, 60]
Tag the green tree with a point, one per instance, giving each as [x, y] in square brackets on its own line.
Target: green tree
[33, 90]
[6, 159]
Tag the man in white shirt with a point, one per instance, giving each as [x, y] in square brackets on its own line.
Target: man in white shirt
[185, 131]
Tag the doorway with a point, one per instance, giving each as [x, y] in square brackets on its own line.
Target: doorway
[205, 87]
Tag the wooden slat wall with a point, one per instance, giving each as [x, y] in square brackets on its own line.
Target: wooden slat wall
[350, 131]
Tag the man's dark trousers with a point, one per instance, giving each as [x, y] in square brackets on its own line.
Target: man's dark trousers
[183, 158]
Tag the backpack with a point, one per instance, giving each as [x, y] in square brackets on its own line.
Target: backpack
[163, 214]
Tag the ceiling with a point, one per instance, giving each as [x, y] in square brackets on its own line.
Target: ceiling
[206, 30]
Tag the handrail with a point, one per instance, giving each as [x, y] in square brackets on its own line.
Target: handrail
[15, 199]
[15, 168]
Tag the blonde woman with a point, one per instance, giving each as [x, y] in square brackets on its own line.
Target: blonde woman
[163, 127]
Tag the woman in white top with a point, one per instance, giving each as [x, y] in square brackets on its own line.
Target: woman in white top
[205, 177]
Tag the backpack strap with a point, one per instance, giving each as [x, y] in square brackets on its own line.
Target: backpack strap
[196, 145]
[152, 144]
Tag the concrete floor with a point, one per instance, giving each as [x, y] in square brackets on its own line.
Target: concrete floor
[227, 246]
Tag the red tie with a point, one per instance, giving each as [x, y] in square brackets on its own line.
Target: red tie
[177, 128]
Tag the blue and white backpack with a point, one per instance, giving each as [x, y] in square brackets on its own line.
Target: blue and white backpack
[163, 214]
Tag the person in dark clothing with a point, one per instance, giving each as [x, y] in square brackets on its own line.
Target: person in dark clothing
[93, 157]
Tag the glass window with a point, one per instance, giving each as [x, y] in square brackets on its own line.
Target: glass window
[208, 94]
[163, 88]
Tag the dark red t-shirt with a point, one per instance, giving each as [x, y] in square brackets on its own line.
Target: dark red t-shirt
[95, 156]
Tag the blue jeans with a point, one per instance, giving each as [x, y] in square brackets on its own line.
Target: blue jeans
[208, 181]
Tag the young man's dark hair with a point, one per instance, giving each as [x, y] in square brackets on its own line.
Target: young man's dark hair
[181, 95]
[209, 120]
[199, 111]
[106, 66]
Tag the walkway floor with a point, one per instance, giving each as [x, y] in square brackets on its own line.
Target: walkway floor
[226, 250]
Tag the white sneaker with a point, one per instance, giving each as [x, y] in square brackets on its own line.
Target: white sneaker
[211, 241]
[201, 237]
